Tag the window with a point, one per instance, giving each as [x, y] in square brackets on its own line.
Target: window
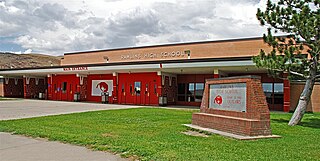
[155, 88]
[122, 88]
[190, 92]
[199, 92]
[278, 93]
[1, 80]
[181, 92]
[137, 88]
[278, 88]
[64, 87]
[273, 92]
[267, 89]
[131, 89]
[147, 86]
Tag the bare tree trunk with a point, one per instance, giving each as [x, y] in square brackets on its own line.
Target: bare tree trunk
[303, 103]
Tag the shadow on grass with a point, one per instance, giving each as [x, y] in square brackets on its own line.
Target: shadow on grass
[310, 122]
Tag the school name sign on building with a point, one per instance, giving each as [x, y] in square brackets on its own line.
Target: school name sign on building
[161, 55]
[231, 97]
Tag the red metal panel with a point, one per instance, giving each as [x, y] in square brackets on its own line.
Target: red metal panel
[286, 95]
[127, 94]
[72, 84]
[98, 77]
[50, 87]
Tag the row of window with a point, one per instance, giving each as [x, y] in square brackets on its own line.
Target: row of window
[137, 88]
[190, 92]
[273, 92]
[63, 87]
[193, 92]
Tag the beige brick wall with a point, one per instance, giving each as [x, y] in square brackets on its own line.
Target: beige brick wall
[219, 49]
[295, 91]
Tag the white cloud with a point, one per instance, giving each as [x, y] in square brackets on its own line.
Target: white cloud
[58, 26]
[28, 51]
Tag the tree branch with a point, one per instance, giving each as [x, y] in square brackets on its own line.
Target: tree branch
[298, 74]
[292, 72]
[317, 76]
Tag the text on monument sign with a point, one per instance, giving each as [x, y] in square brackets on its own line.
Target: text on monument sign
[231, 96]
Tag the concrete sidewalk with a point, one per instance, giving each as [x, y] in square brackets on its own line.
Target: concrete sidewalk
[19, 148]
[26, 108]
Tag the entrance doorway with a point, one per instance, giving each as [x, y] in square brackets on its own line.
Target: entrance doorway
[274, 95]
[138, 88]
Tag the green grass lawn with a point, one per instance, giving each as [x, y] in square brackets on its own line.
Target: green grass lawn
[7, 99]
[155, 134]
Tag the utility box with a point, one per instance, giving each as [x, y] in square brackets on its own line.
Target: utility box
[104, 97]
[163, 101]
[41, 96]
[76, 97]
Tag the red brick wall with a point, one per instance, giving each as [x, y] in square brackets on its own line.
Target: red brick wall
[13, 90]
[170, 90]
[84, 89]
[32, 90]
[256, 119]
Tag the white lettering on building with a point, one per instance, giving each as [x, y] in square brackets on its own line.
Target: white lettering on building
[161, 55]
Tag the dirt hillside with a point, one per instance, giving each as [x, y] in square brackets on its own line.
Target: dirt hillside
[10, 60]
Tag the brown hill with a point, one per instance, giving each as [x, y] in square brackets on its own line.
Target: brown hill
[10, 60]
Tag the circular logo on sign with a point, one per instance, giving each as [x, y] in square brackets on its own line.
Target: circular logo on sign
[218, 100]
[103, 86]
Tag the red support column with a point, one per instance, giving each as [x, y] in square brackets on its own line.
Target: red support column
[286, 95]
[115, 88]
[160, 84]
[49, 91]
[25, 87]
[216, 73]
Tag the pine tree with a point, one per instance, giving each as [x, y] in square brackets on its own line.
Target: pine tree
[296, 54]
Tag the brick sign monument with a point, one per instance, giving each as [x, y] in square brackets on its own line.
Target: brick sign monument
[235, 107]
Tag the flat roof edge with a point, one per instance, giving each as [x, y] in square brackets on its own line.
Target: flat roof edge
[163, 45]
[140, 62]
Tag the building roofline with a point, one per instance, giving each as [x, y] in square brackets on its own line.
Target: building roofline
[139, 62]
[163, 45]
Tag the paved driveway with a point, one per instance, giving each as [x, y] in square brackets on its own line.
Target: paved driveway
[19, 148]
[17, 109]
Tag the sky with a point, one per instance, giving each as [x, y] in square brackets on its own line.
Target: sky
[55, 27]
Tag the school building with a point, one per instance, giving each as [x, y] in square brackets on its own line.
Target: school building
[172, 74]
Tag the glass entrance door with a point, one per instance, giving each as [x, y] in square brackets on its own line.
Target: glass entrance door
[274, 95]
[137, 92]
[147, 95]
